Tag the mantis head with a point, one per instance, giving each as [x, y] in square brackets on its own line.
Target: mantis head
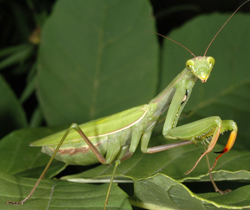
[201, 67]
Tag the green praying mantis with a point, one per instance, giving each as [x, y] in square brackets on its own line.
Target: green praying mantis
[116, 137]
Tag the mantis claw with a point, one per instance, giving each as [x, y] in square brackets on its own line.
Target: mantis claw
[219, 152]
[14, 203]
[224, 192]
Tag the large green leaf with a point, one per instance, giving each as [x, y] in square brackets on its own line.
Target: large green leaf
[167, 162]
[162, 192]
[18, 158]
[96, 60]
[17, 54]
[11, 112]
[56, 194]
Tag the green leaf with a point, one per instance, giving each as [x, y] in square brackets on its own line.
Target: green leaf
[162, 192]
[18, 158]
[12, 49]
[97, 54]
[11, 112]
[56, 194]
[29, 89]
[232, 166]
[36, 118]
[20, 55]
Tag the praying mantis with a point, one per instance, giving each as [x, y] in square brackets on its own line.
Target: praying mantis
[115, 138]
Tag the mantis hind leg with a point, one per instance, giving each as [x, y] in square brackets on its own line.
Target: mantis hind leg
[85, 138]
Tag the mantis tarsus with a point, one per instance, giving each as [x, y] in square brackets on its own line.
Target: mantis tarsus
[116, 137]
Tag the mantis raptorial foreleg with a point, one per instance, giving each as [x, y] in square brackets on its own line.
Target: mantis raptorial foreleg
[201, 130]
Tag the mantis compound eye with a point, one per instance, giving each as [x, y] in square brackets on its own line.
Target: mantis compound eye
[211, 61]
[190, 64]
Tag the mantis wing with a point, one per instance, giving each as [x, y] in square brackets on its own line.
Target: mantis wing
[98, 128]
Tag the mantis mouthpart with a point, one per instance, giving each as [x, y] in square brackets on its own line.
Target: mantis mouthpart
[116, 137]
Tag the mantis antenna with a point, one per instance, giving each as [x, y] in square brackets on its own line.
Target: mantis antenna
[224, 26]
[175, 42]
[213, 37]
